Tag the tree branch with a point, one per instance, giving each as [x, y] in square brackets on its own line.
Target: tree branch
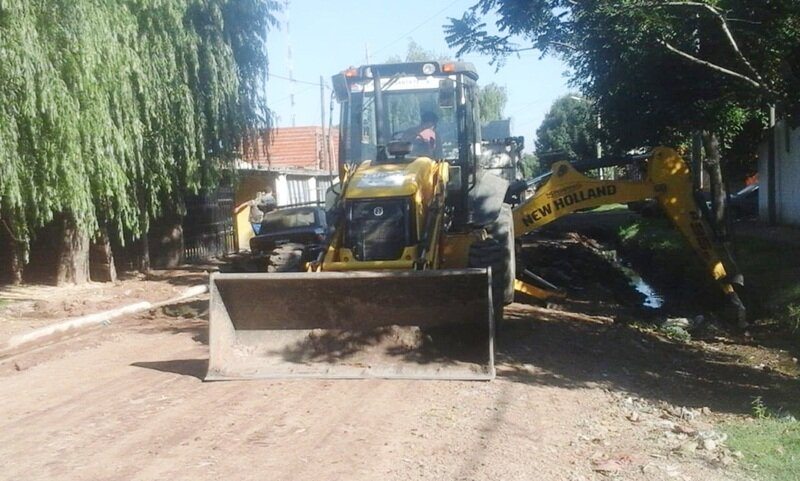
[712, 66]
[725, 29]
[10, 232]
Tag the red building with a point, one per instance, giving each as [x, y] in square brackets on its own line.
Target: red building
[297, 148]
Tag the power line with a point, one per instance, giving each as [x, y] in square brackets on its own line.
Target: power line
[415, 28]
[315, 84]
[283, 99]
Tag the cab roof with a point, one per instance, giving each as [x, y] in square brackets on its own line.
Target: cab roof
[413, 68]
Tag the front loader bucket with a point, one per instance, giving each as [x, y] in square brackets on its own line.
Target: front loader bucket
[409, 325]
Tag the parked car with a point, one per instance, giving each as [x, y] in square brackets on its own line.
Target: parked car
[290, 237]
[742, 204]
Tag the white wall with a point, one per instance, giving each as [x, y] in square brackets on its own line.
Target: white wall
[787, 175]
[292, 189]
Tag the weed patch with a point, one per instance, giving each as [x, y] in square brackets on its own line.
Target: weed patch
[770, 445]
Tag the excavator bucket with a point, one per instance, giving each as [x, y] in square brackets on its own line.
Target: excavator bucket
[410, 325]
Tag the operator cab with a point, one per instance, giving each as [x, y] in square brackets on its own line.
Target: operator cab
[394, 113]
[395, 102]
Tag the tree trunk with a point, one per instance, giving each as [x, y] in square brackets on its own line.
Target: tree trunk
[11, 256]
[17, 265]
[736, 310]
[166, 242]
[143, 256]
[101, 259]
[73, 256]
[714, 167]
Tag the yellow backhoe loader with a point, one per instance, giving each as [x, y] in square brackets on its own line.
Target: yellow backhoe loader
[421, 260]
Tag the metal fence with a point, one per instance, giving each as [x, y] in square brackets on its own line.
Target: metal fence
[208, 225]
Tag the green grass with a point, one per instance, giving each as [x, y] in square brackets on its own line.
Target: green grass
[654, 234]
[771, 274]
[771, 447]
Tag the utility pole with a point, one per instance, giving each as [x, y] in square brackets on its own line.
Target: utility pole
[772, 211]
[599, 145]
[325, 160]
[289, 61]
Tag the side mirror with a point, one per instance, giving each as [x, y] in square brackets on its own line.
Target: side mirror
[447, 93]
[340, 87]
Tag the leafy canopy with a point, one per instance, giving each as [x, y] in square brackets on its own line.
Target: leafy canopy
[657, 69]
[112, 110]
[568, 127]
[493, 99]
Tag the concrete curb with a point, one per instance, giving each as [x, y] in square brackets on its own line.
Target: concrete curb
[97, 318]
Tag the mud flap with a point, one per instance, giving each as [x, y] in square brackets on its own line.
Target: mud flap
[407, 325]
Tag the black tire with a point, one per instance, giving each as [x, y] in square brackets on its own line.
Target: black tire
[502, 230]
[489, 253]
[498, 252]
[286, 258]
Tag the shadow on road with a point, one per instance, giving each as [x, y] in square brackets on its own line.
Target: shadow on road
[190, 275]
[185, 367]
[541, 346]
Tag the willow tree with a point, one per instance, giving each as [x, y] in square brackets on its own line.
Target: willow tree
[112, 110]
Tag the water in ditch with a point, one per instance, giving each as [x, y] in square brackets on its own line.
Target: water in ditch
[652, 298]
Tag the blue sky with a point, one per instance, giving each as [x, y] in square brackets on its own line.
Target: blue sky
[326, 37]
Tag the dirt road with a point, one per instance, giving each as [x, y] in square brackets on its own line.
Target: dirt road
[125, 402]
[581, 394]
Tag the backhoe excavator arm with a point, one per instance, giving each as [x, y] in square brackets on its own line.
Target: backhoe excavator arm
[668, 181]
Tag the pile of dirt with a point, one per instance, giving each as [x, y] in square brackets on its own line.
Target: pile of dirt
[581, 265]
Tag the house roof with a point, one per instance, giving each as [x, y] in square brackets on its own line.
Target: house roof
[295, 147]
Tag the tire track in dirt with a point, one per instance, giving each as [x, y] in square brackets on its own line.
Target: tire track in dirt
[86, 377]
[282, 419]
[132, 408]
[58, 415]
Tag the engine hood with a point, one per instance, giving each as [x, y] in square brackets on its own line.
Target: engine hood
[392, 180]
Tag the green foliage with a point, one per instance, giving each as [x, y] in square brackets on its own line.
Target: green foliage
[417, 53]
[658, 70]
[493, 99]
[770, 446]
[569, 127]
[675, 333]
[760, 410]
[531, 167]
[653, 235]
[112, 110]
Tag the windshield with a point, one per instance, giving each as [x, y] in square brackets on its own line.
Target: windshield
[409, 115]
[288, 219]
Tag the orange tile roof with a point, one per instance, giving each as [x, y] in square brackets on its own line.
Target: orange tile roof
[294, 147]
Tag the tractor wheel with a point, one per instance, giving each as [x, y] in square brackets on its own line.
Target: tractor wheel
[489, 253]
[286, 258]
[497, 252]
[502, 230]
